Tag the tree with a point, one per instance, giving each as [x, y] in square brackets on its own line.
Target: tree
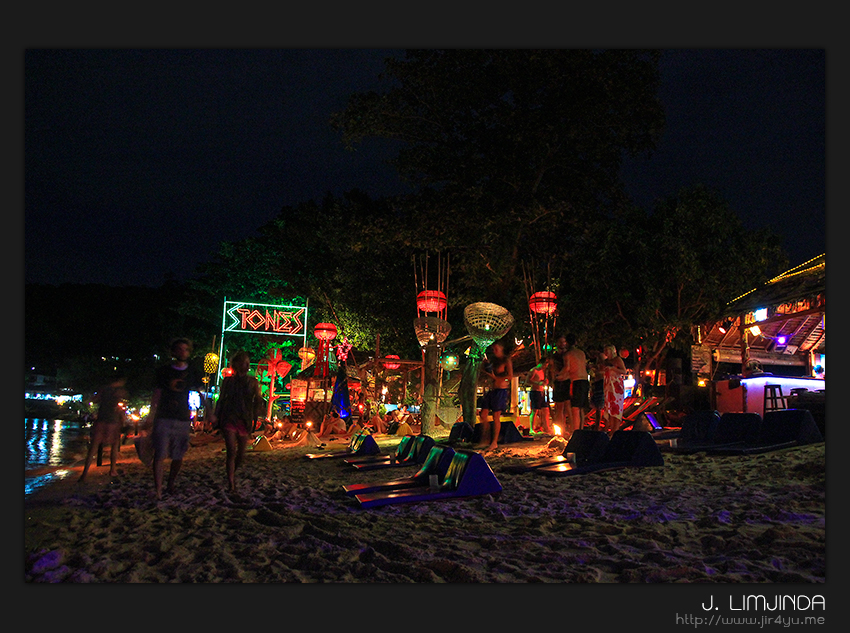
[511, 149]
[657, 275]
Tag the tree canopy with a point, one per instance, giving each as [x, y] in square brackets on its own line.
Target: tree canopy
[515, 156]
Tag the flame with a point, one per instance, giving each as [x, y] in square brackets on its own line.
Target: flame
[557, 429]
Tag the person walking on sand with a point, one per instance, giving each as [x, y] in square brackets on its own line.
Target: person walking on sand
[171, 413]
[496, 399]
[239, 405]
[106, 428]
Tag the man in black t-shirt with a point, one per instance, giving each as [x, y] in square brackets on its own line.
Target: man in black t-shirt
[171, 413]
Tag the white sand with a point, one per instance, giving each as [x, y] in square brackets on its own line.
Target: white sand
[697, 519]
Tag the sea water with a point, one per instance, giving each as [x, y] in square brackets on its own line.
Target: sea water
[50, 448]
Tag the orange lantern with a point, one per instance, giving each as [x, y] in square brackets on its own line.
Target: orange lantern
[431, 301]
[543, 302]
[392, 365]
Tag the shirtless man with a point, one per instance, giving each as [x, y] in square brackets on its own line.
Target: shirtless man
[538, 378]
[560, 381]
[579, 383]
[496, 399]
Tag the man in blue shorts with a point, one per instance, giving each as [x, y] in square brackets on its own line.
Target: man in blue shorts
[495, 401]
[562, 414]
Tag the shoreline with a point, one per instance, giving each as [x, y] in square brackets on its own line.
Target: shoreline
[696, 519]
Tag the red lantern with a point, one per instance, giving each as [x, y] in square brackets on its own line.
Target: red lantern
[543, 302]
[227, 371]
[391, 365]
[431, 301]
[325, 331]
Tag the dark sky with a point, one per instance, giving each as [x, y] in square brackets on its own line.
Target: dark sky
[138, 163]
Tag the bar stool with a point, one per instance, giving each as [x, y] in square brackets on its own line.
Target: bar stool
[773, 399]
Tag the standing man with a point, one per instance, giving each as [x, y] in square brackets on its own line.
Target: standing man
[171, 414]
[562, 414]
[538, 379]
[579, 383]
[495, 401]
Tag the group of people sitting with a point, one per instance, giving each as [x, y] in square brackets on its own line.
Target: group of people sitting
[388, 424]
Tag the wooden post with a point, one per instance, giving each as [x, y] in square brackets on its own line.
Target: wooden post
[745, 348]
[430, 389]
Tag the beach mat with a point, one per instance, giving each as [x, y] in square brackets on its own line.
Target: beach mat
[733, 430]
[417, 454]
[468, 475]
[626, 449]
[460, 432]
[784, 428]
[261, 444]
[586, 445]
[401, 451]
[436, 463]
[361, 444]
[698, 429]
[508, 433]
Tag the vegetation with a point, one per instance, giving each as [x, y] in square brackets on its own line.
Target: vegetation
[514, 156]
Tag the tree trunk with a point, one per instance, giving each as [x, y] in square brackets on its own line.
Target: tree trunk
[468, 385]
[429, 390]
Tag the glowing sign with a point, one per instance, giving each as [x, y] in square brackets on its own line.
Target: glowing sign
[259, 318]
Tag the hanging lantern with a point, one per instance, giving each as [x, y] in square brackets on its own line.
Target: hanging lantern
[306, 354]
[486, 323]
[325, 331]
[543, 302]
[210, 363]
[431, 330]
[449, 362]
[431, 301]
[227, 371]
[391, 366]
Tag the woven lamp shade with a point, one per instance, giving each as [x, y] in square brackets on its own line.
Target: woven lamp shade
[486, 322]
[211, 363]
[431, 330]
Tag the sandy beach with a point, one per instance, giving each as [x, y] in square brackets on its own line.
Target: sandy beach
[696, 519]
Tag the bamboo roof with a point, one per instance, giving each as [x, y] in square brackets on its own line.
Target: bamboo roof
[795, 302]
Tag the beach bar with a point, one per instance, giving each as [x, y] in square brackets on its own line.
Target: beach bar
[768, 350]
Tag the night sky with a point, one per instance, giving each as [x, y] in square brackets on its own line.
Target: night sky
[138, 163]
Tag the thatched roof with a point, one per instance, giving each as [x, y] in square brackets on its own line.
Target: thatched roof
[796, 308]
